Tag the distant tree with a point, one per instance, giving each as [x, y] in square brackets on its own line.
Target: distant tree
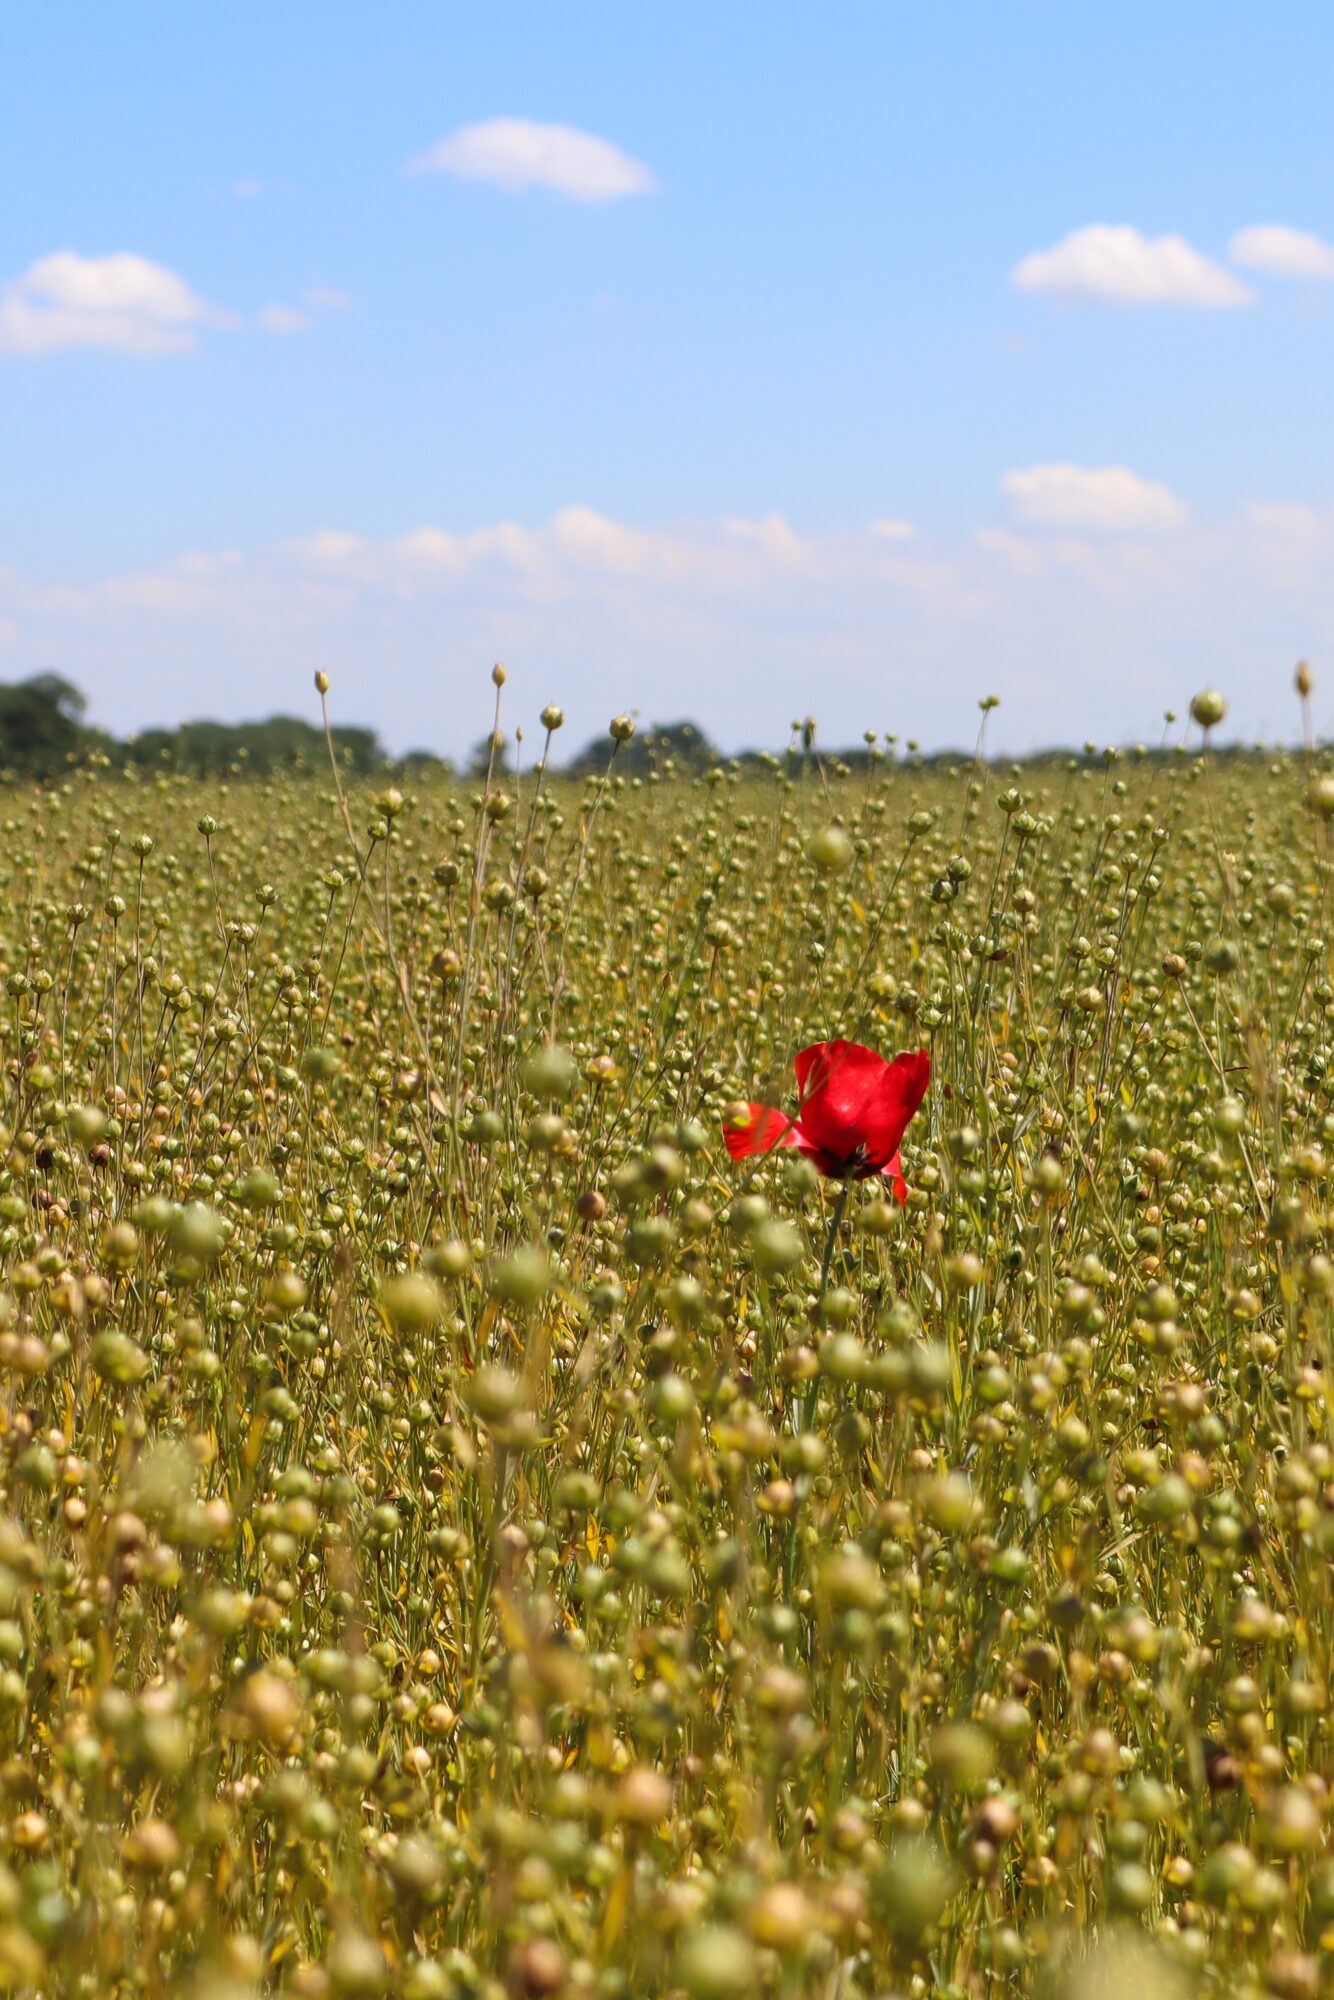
[42, 729]
[683, 745]
[282, 743]
[41, 724]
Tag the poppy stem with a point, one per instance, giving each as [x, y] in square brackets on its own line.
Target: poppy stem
[844, 1191]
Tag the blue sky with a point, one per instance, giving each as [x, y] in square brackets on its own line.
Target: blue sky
[763, 360]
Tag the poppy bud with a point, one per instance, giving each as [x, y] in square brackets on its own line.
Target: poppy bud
[321, 682]
[621, 729]
[1208, 708]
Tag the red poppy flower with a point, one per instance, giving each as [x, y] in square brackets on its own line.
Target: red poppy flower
[855, 1108]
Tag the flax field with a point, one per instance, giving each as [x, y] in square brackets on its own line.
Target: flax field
[464, 1535]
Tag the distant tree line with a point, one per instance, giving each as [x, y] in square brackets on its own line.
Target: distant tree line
[44, 732]
[282, 743]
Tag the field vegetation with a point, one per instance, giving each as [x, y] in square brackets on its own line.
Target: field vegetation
[463, 1534]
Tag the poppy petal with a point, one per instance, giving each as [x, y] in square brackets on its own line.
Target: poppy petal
[759, 1131]
[812, 1064]
[893, 1173]
[855, 1105]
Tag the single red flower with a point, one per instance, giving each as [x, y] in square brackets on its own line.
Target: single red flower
[855, 1108]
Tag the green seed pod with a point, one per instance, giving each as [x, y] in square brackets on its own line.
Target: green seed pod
[716, 1962]
[222, 1613]
[650, 1240]
[258, 1189]
[414, 1303]
[830, 849]
[1130, 1888]
[1170, 1500]
[449, 1259]
[117, 1358]
[1229, 1117]
[930, 1370]
[960, 1756]
[1321, 796]
[671, 1398]
[320, 1065]
[197, 1232]
[286, 1292]
[685, 1301]
[850, 1581]
[493, 1394]
[1011, 1565]
[155, 1214]
[842, 1357]
[948, 1503]
[522, 1278]
[1208, 708]
[550, 1073]
[86, 1124]
[775, 1247]
[357, 1967]
[910, 1888]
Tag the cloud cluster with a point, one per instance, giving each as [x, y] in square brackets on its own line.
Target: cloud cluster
[519, 153]
[1113, 264]
[1102, 500]
[1116, 265]
[122, 302]
[1084, 603]
[580, 548]
[126, 304]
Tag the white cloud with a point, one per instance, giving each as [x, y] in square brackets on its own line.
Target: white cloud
[122, 302]
[282, 319]
[1280, 252]
[892, 530]
[775, 539]
[1107, 499]
[577, 549]
[285, 319]
[1113, 264]
[1019, 555]
[517, 153]
[328, 547]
